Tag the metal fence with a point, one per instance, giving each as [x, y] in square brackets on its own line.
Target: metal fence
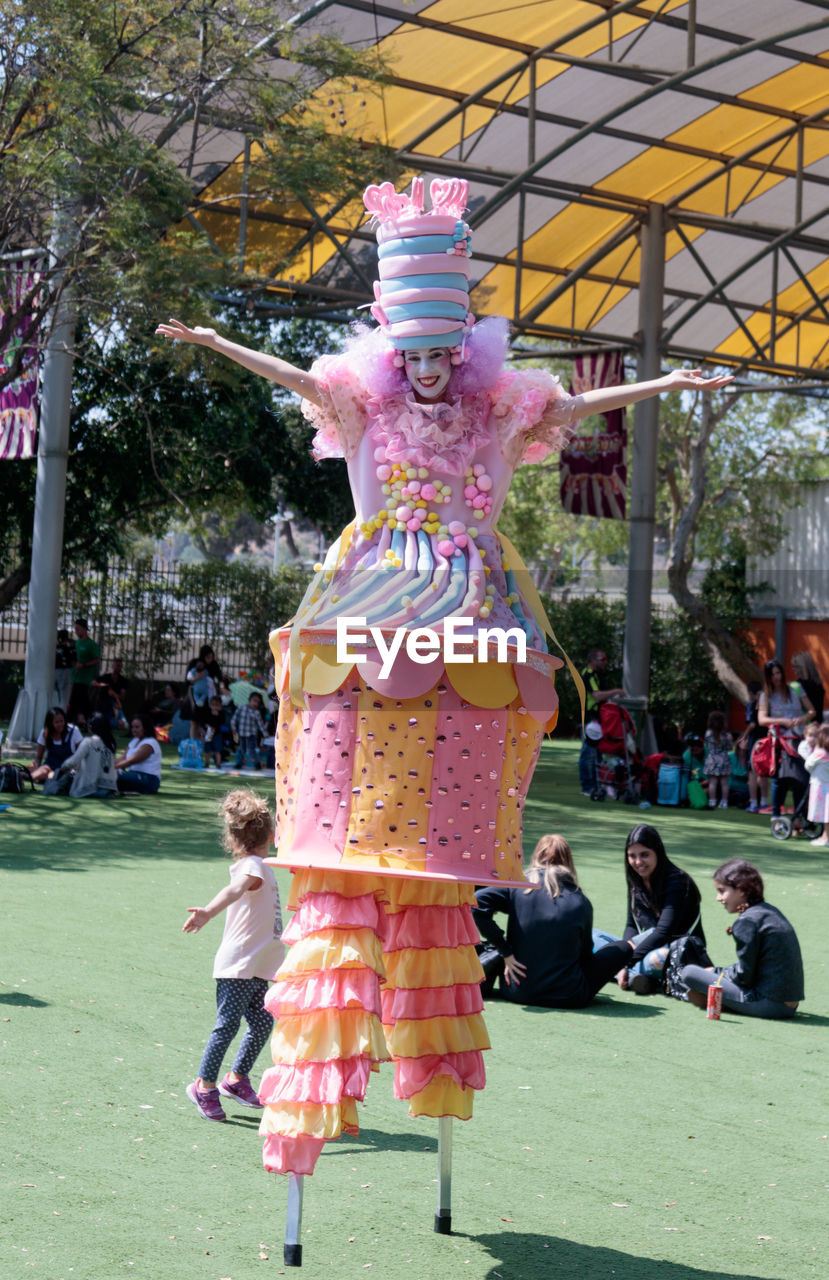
[155, 613]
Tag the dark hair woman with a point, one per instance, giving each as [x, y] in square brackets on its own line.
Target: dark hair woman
[546, 953]
[766, 980]
[91, 768]
[140, 765]
[663, 904]
[788, 709]
[55, 743]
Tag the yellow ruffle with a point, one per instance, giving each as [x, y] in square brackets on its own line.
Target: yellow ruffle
[310, 1119]
[322, 1035]
[439, 967]
[334, 949]
[346, 883]
[428, 893]
[443, 1097]
[419, 1037]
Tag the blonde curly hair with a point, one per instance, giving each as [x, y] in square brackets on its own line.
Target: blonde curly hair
[248, 825]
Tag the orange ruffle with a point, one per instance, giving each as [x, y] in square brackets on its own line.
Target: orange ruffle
[327, 1034]
[310, 1119]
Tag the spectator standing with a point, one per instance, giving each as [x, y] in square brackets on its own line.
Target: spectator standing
[65, 659]
[595, 693]
[789, 710]
[758, 788]
[247, 723]
[84, 673]
[215, 727]
[817, 764]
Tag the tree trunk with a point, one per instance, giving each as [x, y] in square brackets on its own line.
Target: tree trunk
[734, 669]
[14, 583]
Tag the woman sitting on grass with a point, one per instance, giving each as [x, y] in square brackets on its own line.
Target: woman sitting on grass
[547, 950]
[139, 768]
[766, 980]
[91, 769]
[663, 904]
[55, 743]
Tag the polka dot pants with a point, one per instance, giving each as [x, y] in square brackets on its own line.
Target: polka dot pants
[237, 998]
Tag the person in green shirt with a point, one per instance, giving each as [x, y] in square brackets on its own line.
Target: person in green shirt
[87, 658]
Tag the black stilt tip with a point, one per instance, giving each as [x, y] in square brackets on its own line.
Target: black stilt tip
[292, 1253]
[443, 1224]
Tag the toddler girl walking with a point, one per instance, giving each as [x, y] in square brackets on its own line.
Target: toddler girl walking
[817, 762]
[717, 766]
[249, 954]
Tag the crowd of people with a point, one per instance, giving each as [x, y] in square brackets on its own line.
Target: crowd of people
[76, 752]
[775, 759]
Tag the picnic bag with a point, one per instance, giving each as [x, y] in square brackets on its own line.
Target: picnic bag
[686, 950]
[190, 754]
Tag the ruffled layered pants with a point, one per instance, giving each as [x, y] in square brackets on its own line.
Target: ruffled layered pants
[379, 968]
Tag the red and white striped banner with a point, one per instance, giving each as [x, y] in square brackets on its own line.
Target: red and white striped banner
[18, 398]
[593, 467]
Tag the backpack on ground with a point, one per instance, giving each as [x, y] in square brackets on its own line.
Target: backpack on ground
[13, 778]
[190, 754]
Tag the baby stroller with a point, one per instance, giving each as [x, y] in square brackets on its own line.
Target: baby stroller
[619, 765]
[765, 761]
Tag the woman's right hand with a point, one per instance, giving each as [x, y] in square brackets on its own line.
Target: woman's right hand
[623, 979]
[514, 970]
[181, 333]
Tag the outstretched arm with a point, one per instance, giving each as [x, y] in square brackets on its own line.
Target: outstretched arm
[270, 367]
[605, 399]
[197, 917]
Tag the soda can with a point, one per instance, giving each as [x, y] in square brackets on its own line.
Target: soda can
[714, 1006]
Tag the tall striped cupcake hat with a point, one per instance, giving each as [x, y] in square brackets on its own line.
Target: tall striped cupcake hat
[422, 296]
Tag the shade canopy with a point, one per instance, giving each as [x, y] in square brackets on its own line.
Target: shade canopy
[570, 122]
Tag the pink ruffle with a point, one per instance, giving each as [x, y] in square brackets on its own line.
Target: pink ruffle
[341, 418]
[320, 911]
[425, 927]
[412, 1075]
[534, 412]
[316, 1082]
[431, 1002]
[333, 989]
[291, 1155]
[445, 435]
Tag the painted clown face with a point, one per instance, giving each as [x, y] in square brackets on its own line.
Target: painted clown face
[428, 370]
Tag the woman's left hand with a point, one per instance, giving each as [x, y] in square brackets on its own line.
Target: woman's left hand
[514, 970]
[695, 380]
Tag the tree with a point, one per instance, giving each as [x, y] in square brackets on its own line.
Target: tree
[103, 112]
[729, 470]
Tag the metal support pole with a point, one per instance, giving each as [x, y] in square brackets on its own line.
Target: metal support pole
[443, 1217]
[641, 516]
[292, 1252]
[36, 696]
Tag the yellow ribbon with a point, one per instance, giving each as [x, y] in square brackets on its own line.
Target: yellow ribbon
[309, 606]
[528, 590]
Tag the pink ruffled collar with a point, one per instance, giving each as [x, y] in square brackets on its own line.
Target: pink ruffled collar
[445, 435]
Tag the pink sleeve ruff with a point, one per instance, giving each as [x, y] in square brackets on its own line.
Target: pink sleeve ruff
[340, 420]
[534, 414]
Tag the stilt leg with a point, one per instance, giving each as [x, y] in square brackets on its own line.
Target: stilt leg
[292, 1252]
[443, 1217]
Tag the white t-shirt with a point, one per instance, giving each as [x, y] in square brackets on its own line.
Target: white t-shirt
[152, 762]
[251, 945]
[71, 731]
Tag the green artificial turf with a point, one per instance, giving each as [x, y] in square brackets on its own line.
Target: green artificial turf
[631, 1141]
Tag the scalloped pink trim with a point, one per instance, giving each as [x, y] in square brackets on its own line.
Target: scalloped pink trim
[445, 435]
[424, 927]
[337, 989]
[316, 1082]
[412, 1075]
[291, 1155]
[320, 911]
[431, 1002]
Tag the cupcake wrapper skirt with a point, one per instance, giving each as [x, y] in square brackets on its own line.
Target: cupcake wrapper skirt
[379, 969]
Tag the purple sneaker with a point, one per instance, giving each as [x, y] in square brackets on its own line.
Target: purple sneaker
[207, 1101]
[240, 1090]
